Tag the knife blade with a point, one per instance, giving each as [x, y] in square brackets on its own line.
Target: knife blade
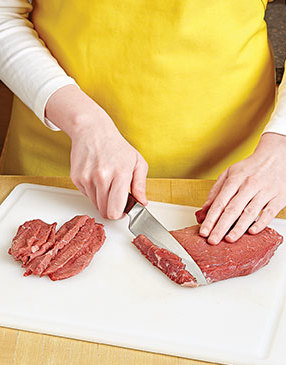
[141, 221]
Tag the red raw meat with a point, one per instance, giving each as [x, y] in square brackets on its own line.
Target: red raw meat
[43, 248]
[68, 251]
[60, 254]
[83, 257]
[217, 262]
[29, 239]
[63, 236]
[201, 214]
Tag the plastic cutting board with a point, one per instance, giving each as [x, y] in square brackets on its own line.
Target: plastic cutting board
[121, 299]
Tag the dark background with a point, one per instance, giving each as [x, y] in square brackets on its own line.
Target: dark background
[276, 23]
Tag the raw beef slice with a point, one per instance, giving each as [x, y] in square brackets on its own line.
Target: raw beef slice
[30, 237]
[60, 254]
[62, 238]
[217, 262]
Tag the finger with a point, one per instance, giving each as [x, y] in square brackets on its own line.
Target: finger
[232, 212]
[268, 213]
[82, 189]
[91, 193]
[215, 190]
[138, 184]
[118, 195]
[228, 190]
[248, 216]
[102, 182]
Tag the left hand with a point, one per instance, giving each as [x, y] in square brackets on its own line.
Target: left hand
[256, 184]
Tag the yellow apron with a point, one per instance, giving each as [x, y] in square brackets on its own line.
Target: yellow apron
[189, 83]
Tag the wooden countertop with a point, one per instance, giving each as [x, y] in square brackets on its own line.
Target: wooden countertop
[27, 348]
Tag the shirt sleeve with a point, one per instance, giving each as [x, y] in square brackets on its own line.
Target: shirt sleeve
[277, 123]
[26, 65]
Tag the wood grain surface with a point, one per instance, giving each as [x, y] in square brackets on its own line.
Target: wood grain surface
[27, 348]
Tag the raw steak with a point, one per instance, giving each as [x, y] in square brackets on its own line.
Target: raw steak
[68, 252]
[63, 236]
[217, 262]
[83, 257]
[30, 238]
[61, 254]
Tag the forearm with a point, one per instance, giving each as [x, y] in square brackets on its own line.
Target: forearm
[26, 65]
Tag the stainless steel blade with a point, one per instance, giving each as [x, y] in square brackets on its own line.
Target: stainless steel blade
[143, 222]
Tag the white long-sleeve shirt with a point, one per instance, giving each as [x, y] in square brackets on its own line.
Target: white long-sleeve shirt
[33, 74]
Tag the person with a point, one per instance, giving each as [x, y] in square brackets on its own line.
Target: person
[186, 88]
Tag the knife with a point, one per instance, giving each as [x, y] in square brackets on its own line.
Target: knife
[141, 221]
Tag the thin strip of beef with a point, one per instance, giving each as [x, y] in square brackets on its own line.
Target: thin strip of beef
[83, 257]
[165, 260]
[68, 252]
[217, 262]
[44, 248]
[63, 236]
[26, 231]
[29, 238]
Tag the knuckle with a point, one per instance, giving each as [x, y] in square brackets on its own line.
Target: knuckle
[251, 180]
[231, 210]
[85, 179]
[231, 180]
[250, 211]
[219, 205]
[101, 174]
[269, 211]
[232, 170]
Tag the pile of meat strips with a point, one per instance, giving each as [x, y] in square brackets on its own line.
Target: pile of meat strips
[61, 254]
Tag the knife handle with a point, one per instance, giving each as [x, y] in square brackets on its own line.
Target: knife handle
[131, 201]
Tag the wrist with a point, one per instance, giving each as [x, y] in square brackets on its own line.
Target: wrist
[71, 110]
[271, 143]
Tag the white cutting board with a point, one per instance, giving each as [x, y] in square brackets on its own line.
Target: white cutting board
[121, 299]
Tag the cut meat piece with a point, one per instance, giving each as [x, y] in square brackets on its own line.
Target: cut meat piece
[44, 248]
[30, 238]
[217, 262]
[63, 236]
[68, 252]
[83, 257]
[165, 260]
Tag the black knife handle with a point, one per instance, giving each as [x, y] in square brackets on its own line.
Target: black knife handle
[131, 201]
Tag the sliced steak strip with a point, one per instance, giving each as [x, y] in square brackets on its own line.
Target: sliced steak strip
[29, 238]
[68, 252]
[217, 262]
[63, 236]
[83, 257]
[165, 260]
[44, 248]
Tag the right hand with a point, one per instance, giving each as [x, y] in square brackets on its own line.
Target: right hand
[104, 166]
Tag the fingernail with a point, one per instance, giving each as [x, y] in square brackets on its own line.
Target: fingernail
[252, 230]
[229, 237]
[213, 240]
[204, 232]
